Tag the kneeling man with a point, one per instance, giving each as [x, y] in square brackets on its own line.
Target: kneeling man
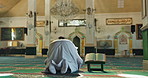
[62, 57]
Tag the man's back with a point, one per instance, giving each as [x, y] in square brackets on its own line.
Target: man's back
[62, 54]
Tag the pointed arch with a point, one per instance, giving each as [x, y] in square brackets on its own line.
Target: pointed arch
[123, 37]
[82, 37]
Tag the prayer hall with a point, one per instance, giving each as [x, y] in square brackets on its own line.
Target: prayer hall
[73, 38]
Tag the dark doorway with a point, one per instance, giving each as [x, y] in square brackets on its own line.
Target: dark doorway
[76, 41]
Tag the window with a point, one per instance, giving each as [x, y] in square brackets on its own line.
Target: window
[12, 34]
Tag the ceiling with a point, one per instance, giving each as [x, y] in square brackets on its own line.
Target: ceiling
[15, 8]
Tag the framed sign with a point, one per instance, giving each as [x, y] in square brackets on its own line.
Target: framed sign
[143, 9]
[138, 31]
[73, 23]
[118, 21]
[40, 23]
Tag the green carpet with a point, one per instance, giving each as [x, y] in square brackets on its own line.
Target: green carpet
[7, 77]
[100, 73]
[6, 69]
[4, 65]
[27, 71]
[22, 67]
[129, 68]
[144, 73]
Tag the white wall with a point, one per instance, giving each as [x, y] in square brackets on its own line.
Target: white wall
[113, 29]
[110, 30]
[64, 31]
[12, 22]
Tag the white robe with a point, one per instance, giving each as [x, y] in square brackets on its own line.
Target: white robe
[62, 54]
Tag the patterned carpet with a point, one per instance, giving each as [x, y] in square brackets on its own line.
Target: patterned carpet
[116, 67]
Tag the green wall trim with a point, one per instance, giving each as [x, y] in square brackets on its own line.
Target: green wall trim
[30, 51]
[145, 44]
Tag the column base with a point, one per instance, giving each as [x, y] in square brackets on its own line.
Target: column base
[145, 64]
[30, 50]
[131, 54]
[39, 54]
[123, 55]
[30, 56]
[116, 55]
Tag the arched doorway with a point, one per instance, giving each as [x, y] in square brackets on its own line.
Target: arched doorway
[76, 41]
[78, 38]
[123, 43]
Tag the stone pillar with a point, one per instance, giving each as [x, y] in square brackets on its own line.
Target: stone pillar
[145, 48]
[31, 28]
[90, 29]
[47, 24]
[116, 46]
[130, 47]
[145, 33]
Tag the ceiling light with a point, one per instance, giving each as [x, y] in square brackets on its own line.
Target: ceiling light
[64, 9]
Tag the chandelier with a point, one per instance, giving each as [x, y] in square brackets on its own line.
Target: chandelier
[64, 9]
